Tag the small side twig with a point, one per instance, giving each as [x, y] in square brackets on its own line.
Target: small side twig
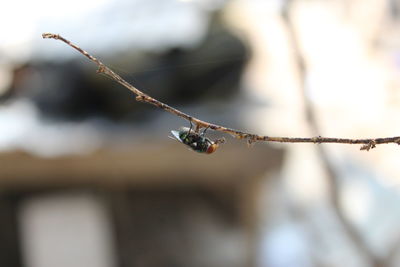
[250, 137]
[369, 146]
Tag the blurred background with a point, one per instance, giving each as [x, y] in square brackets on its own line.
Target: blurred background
[89, 177]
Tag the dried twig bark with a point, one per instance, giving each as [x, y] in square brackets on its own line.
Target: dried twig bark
[250, 137]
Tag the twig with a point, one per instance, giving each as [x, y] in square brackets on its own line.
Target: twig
[251, 138]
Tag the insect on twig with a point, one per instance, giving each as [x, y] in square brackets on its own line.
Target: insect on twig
[250, 137]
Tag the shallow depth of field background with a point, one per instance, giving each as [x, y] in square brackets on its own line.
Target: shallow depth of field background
[89, 177]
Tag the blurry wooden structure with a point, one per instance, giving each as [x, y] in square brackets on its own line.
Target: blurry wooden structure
[169, 206]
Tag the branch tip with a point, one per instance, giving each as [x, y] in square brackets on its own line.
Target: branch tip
[48, 35]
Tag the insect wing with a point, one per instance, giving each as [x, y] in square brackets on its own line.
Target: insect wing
[175, 136]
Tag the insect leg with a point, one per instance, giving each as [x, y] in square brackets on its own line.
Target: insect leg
[191, 126]
[204, 132]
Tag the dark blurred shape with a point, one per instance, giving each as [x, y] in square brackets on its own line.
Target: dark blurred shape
[168, 206]
[59, 90]
[177, 226]
[9, 245]
[394, 9]
[177, 76]
[210, 71]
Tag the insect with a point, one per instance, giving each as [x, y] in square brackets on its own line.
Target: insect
[196, 141]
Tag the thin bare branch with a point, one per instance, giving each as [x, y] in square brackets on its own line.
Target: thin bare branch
[251, 138]
[333, 180]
